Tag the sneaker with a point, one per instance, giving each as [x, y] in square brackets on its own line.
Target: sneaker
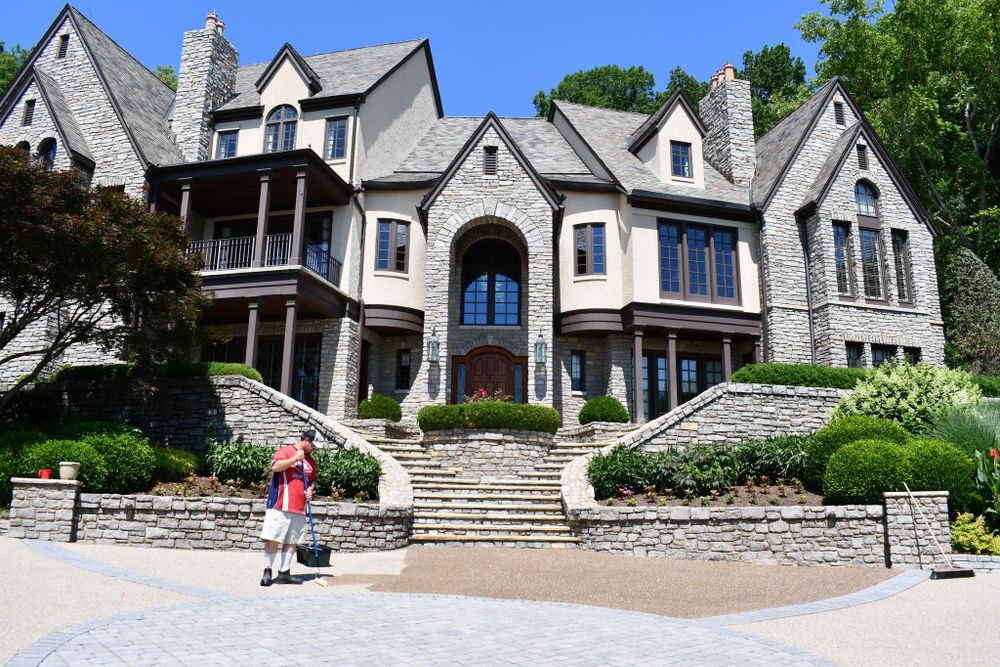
[286, 578]
[266, 579]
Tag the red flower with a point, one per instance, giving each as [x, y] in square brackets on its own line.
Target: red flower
[995, 454]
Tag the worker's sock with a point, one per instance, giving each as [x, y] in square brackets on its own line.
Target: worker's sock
[269, 557]
[286, 562]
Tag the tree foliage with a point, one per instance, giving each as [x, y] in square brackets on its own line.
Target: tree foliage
[168, 75]
[10, 62]
[608, 86]
[970, 299]
[681, 80]
[777, 84]
[88, 266]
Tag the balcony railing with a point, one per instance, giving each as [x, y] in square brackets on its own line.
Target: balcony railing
[237, 253]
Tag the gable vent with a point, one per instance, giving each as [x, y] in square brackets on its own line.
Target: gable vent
[63, 46]
[490, 160]
[29, 112]
[863, 157]
[838, 112]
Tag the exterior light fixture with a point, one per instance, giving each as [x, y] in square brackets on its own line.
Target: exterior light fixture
[433, 348]
[540, 347]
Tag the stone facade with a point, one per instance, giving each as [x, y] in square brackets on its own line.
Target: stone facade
[727, 114]
[43, 509]
[488, 454]
[918, 531]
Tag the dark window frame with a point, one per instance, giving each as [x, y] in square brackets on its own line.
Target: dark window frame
[328, 152]
[701, 359]
[880, 261]
[283, 123]
[912, 355]
[28, 116]
[223, 135]
[682, 145]
[904, 271]
[848, 258]
[47, 151]
[493, 267]
[711, 268]
[859, 360]
[878, 348]
[63, 47]
[578, 362]
[490, 160]
[404, 366]
[587, 229]
[870, 189]
[392, 257]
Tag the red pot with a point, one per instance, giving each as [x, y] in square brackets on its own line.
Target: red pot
[45, 473]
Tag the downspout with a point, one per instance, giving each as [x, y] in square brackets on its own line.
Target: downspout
[804, 238]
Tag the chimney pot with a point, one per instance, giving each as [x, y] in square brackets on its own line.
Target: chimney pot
[728, 70]
[212, 22]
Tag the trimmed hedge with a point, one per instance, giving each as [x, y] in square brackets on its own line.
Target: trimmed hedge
[100, 372]
[380, 407]
[240, 462]
[128, 458]
[933, 465]
[489, 415]
[351, 471]
[603, 409]
[799, 375]
[860, 472]
[93, 473]
[825, 442]
[175, 464]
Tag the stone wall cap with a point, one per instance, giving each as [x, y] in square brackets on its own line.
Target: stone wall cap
[916, 494]
[32, 481]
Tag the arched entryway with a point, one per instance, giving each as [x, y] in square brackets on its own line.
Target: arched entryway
[491, 369]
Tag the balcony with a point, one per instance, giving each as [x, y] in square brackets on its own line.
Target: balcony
[238, 253]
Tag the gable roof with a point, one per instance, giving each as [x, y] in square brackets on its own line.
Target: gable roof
[287, 51]
[648, 129]
[63, 117]
[828, 172]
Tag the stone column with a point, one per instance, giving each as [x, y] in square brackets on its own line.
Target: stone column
[727, 358]
[43, 509]
[253, 326]
[911, 526]
[299, 220]
[640, 403]
[263, 209]
[288, 347]
[672, 380]
[186, 206]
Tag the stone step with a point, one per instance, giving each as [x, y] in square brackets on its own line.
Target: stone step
[496, 517]
[482, 528]
[550, 465]
[411, 456]
[498, 497]
[495, 540]
[427, 467]
[581, 445]
[399, 449]
[542, 474]
[471, 481]
[446, 486]
[392, 441]
[427, 505]
[572, 451]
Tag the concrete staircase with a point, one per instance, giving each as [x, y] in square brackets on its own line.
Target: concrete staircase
[452, 509]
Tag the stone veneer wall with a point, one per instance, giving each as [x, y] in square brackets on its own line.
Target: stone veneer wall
[594, 432]
[489, 454]
[729, 145]
[43, 509]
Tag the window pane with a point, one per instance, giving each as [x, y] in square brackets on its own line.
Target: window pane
[841, 236]
[882, 354]
[871, 263]
[475, 300]
[899, 252]
[576, 370]
[581, 250]
[912, 355]
[518, 383]
[288, 134]
[598, 248]
[336, 139]
[713, 372]
[697, 245]
[670, 258]
[402, 231]
[864, 198]
[725, 274]
[854, 351]
[460, 389]
[689, 378]
[382, 251]
[271, 145]
[505, 296]
[680, 159]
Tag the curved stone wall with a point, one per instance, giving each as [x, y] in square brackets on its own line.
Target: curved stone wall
[488, 454]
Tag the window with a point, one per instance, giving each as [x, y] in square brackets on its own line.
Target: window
[864, 200]
[871, 263]
[680, 159]
[670, 258]
[863, 157]
[227, 144]
[490, 160]
[724, 241]
[578, 370]
[697, 373]
[838, 112]
[47, 153]
[403, 360]
[589, 249]
[29, 112]
[491, 284]
[393, 239]
[854, 353]
[24, 146]
[336, 138]
[698, 262]
[842, 257]
[882, 354]
[63, 46]
[280, 129]
[901, 260]
[912, 355]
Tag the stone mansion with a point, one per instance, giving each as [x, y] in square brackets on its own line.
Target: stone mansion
[356, 239]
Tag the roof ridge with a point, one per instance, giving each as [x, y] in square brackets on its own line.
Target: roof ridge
[593, 106]
[421, 40]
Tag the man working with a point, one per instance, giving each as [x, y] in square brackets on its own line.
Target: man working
[286, 501]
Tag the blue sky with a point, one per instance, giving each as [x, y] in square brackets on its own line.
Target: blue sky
[488, 56]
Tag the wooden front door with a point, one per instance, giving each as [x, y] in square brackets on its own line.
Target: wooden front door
[491, 369]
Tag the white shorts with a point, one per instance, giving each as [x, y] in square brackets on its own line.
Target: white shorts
[282, 527]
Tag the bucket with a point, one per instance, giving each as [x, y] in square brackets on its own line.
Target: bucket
[304, 555]
[45, 473]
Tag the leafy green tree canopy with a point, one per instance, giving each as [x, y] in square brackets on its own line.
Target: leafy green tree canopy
[168, 75]
[608, 86]
[777, 84]
[11, 61]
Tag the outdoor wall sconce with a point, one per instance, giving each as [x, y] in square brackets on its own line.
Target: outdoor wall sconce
[433, 347]
[540, 347]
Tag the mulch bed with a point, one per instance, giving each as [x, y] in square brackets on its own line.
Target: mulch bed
[200, 486]
[770, 496]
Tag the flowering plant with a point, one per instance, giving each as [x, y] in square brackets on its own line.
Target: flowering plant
[988, 481]
[480, 395]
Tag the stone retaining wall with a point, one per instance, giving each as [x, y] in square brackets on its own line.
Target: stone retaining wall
[594, 432]
[378, 429]
[489, 454]
[980, 563]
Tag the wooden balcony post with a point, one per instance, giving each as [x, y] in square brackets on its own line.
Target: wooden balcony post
[253, 326]
[263, 210]
[672, 377]
[186, 205]
[299, 221]
[727, 358]
[288, 347]
[756, 350]
[640, 407]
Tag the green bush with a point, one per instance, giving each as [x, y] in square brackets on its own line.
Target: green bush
[699, 469]
[800, 375]
[92, 373]
[826, 441]
[209, 369]
[78, 429]
[349, 470]
[8, 468]
[913, 396]
[380, 407]
[621, 468]
[13, 440]
[49, 454]
[860, 472]
[970, 429]
[128, 458]
[988, 384]
[240, 462]
[778, 458]
[174, 464]
[933, 465]
[970, 536]
[101, 372]
[603, 409]
[489, 415]
[16, 437]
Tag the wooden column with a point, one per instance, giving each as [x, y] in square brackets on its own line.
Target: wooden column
[640, 403]
[672, 379]
[757, 358]
[186, 205]
[253, 326]
[263, 209]
[727, 358]
[299, 221]
[288, 347]
[154, 199]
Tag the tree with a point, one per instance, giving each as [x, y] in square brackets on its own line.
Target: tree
[608, 86]
[777, 84]
[168, 75]
[692, 87]
[970, 295]
[88, 266]
[10, 62]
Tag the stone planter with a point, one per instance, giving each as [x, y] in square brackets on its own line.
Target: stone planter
[495, 454]
[68, 470]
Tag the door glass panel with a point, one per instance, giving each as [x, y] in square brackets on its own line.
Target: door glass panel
[518, 382]
[305, 381]
[460, 390]
[689, 378]
[662, 399]
[713, 373]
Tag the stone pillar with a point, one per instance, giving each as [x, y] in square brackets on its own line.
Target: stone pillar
[288, 346]
[186, 206]
[263, 209]
[253, 326]
[727, 358]
[757, 357]
[672, 379]
[44, 509]
[910, 541]
[640, 403]
[299, 220]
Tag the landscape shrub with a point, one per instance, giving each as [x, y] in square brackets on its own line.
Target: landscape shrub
[698, 469]
[860, 472]
[209, 369]
[101, 372]
[50, 453]
[8, 468]
[913, 396]
[16, 437]
[489, 415]
[380, 407]
[240, 462]
[603, 409]
[175, 464]
[826, 441]
[620, 468]
[13, 440]
[129, 460]
[969, 535]
[972, 430]
[799, 375]
[78, 429]
[933, 465]
[351, 471]
[988, 384]
[777, 458]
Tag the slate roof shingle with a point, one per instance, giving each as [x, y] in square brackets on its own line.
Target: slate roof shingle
[831, 167]
[62, 115]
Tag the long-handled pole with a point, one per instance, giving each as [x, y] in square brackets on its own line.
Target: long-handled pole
[312, 529]
[952, 571]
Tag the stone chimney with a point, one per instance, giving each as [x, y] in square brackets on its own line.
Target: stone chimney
[728, 118]
[206, 81]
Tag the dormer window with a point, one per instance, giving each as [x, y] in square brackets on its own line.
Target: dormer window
[280, 131]
[864, 200]
[47, 153]
[680, 159]
[490, 160]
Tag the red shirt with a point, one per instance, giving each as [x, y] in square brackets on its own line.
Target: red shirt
[288, 492]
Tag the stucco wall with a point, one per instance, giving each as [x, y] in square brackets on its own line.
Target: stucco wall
[404, 289]
[596, 290]
[676, 126]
